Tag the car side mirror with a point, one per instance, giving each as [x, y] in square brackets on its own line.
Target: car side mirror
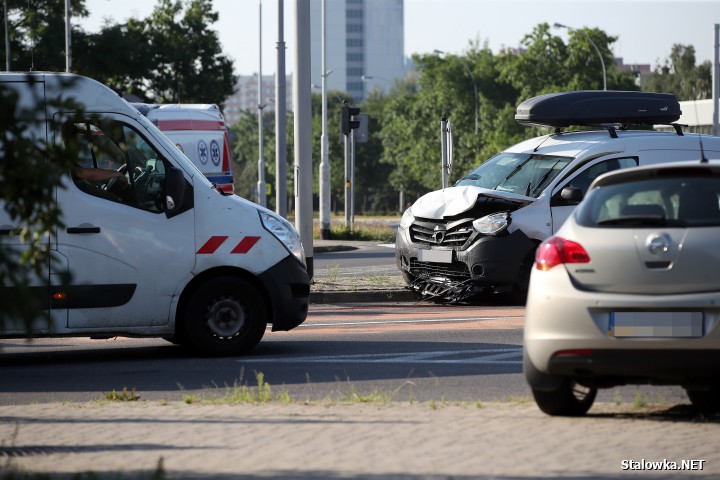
[572, 195]
[174, 191]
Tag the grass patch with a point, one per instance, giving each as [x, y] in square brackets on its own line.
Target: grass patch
[640, 401]
[123, 396]
[367, 232]
[242, 394]
[366, 228]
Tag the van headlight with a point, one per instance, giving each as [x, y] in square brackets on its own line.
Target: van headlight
[285, 232]
[406, 219]
[491, 224]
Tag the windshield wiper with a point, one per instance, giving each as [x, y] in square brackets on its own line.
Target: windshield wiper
[515, 170]
[542, 180]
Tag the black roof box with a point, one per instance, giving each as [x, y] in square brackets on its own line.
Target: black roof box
[596, 107]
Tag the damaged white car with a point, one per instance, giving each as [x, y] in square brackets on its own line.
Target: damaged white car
[480, 235]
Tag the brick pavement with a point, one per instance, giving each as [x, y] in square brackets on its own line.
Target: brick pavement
[351, 441]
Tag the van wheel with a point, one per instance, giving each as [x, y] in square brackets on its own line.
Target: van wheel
[570, 400]
[225, 316]
[706, 401]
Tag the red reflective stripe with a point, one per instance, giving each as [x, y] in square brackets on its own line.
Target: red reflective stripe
[165, 125]
[227, 160]
[212, 244]
[245, 245]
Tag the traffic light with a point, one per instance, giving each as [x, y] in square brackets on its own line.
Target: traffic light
[347, 123]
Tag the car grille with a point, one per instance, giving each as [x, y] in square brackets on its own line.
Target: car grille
[449, 270]
[439, 233]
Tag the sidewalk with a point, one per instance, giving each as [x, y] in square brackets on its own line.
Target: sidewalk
[350, 441]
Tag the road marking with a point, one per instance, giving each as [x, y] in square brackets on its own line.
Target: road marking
[418, 320]
[490, 356]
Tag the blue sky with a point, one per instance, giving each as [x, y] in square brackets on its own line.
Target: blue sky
[647, 29]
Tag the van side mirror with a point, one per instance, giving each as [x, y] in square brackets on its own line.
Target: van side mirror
[174, 191]
[572, 195]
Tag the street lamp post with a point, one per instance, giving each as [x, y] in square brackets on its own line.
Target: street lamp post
[602, 62]
[472, 77]
[261, 200]
[325, 178]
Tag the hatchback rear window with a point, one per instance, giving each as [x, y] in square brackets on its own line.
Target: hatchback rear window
[688, 201]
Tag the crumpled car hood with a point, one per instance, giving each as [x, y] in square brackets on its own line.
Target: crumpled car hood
[455, 200]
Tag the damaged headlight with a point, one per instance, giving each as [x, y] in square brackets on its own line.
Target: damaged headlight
[491, 224]
[407, 219]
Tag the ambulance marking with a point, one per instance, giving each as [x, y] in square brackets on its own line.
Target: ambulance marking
[216, 241]
[212, 244]
[245, 245]
[215, 152]
[202, 151]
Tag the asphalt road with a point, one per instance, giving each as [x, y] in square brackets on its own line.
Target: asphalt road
[359, 259]
[421, 352]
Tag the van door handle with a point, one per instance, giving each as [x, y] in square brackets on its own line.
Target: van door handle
[88, 229]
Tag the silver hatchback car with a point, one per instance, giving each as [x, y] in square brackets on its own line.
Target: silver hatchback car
[628, 291]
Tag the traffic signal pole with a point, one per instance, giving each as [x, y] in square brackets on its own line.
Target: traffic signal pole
[347, 124]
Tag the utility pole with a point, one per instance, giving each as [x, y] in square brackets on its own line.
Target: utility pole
[324, 158]
[7, 39]
[303, 129]
[716, 80]
[280, 122]
[68, 55]
[261, 200]
[443, 146]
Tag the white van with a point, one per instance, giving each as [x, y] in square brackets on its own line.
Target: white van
[480, 235]
[160, 252]
[200, 132]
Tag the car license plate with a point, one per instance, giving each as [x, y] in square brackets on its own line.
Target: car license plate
[439, 256]
[656, 324]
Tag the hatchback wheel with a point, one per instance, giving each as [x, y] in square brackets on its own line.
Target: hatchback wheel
[706, 401]
[570, 400]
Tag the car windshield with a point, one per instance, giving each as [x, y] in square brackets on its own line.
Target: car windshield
[668, 202]
[518, 173]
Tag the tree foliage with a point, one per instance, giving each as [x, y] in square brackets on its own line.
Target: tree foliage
[680, 75]
[186, 60]
[174, 55]
[37, 33]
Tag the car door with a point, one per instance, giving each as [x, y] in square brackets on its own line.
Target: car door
[581, 178]
[125, 256]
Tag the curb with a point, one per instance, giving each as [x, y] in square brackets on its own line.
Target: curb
[363, 296]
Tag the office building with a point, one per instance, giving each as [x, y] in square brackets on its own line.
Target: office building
[364, 45]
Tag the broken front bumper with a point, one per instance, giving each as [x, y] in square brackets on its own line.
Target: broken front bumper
[490, 263]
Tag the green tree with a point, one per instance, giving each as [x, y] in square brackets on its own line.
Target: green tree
[246, 156]
[37, 33]
[118, 56]
[187, 63]
[680, 75]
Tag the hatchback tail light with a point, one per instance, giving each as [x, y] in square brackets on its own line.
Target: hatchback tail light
[557, 251]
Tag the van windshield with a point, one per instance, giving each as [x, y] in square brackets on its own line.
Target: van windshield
[518, 173]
